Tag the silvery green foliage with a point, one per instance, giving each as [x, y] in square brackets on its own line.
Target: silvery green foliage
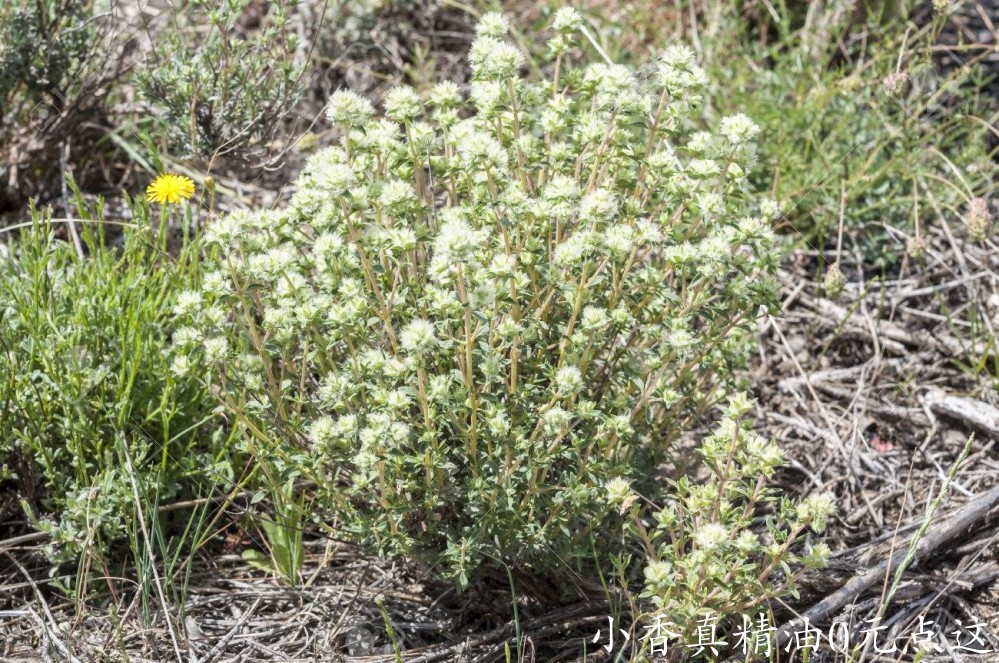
[475, 315]
[222, 90]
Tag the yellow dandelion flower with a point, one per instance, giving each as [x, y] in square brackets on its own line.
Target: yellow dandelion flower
[170, 188]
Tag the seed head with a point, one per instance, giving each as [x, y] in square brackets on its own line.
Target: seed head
[916, 247]
[895, 82]
[834, 280]
[979, 219]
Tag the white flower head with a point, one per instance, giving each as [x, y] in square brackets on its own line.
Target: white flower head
[186, 336]
[347, 108]
[568, 380]
[225, 229]
[188, 303]
[738, 129]
[678, 55]
[598, 205]
[769, 208]
[618, 490]
[556, 419]
[402, 104]
[677, 69]
[703, 168]
[609, 81]
[498, 423]
[322, 431]
[746, 542]
[483, 152]
[659, 574]
[335, 178]
[815, 510]
[567, 19]
[181, 365]
[572, 251]
[418, 336]
[817, 556]
[456, 240]
[445, 94]
[593, 318]
[700, 141]
[217, 282]
[711, 536]
[619, 240]
[492, 24]
[560, 189]
[493, 59]
[216, 349]
[398, 194]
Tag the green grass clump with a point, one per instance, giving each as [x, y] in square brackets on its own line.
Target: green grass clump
[87, 390]
[860, 123]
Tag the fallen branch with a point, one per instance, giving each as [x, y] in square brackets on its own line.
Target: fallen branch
[936, 536]
[944, 344]
[979, 415]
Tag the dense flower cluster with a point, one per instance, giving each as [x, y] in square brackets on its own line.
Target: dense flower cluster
[477, 321]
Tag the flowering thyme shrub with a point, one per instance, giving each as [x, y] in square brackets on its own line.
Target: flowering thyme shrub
[475, 315]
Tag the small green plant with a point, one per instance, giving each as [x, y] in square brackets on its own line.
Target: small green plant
[223, 89]
[87, 389]
[706, 552]
[282, 535]
[475, 315]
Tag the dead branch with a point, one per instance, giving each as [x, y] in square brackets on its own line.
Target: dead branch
[963, 518]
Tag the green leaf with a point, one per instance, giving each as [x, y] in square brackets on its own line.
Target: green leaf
[258, 560]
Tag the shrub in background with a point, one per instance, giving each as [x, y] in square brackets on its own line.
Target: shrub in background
[359, 26]
[223, 88]
[475, 315]
[364, 43]
[58, 59]
[860, 111]
[87, 391]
